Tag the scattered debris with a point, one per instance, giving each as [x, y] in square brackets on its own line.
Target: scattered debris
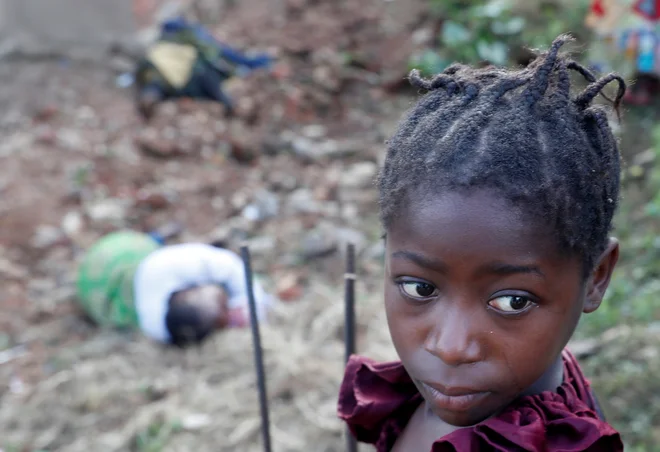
[287, 174]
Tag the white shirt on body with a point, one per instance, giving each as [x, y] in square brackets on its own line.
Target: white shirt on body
[178, 267]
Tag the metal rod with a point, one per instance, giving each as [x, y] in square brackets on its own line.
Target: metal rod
[349, 322]
[258, 354]
[349, 298]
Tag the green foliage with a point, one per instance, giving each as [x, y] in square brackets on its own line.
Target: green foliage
[155, 436]
[634, 294]
[624, 376]
[496, 31]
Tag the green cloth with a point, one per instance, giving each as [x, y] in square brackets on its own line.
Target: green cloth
[105, 277]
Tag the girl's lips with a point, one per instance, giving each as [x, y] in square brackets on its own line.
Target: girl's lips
[454, 399]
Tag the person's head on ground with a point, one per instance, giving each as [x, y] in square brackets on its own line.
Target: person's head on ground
[195, 313]
[497, 196]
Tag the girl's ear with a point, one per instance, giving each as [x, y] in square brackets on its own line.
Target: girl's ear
[600, 278]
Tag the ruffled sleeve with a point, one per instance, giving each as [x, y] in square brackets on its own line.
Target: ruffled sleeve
[375, 398]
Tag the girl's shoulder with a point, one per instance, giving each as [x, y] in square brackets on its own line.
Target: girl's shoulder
[377, 400]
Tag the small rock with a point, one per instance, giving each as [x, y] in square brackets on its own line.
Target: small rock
[376, 251]
[8, 269]
[72, 223]
[46, 236]
[295, 5]
[319, 242]
[314, 132]
[69, 139]
[325, 192]
[315, 150]
[265, 205]
[654, 328]
[7, 355]
[331, 209]
[155, 145]
[261, 245]
[239, 200]
[326, 77]
[282, 71]
[302, 201]
[156, 391]
[233, 231]
[194, 422]
[347, 235]
[423, 36]
[282, 181]
[16, 385]
[45, 113]
[245, 144]
[5, 342]
[350, 212]
[87, 116]
[45, 135]
[218, 203]
[251, 212]
[112, 211]
[359, 175]
[304, 147]
[152, 200]
[243, 148]
[272, 145]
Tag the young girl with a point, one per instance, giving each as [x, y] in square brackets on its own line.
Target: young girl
[176, 294]
[497, 196]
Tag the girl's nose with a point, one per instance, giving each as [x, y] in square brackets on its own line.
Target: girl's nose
[455, 338]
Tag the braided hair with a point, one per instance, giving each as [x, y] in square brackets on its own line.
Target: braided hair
[520, 133]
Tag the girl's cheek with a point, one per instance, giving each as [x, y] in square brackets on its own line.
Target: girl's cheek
[530, 343]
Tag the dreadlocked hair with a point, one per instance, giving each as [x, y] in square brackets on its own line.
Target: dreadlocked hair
[520, 133]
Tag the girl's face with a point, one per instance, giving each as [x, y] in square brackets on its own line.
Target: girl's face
[479, 302]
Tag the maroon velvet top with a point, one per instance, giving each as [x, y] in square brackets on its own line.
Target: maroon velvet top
[378, 399]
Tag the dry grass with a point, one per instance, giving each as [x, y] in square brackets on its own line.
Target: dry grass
[113, 394]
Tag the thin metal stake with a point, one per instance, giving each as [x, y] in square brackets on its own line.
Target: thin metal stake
[349, 322]
[258, 354]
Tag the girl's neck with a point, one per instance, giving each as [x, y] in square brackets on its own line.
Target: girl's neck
[549, 381]
[424, 427]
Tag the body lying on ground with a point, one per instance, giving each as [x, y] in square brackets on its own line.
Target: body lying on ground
[176, 294]
[187, 61]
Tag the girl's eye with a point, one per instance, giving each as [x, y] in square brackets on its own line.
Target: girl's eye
[416, 289]
[511, 303]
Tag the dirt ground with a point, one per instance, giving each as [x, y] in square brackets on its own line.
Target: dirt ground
[293, 176]
[68, 179]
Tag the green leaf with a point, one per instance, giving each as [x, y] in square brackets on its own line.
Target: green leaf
[510, 27]
[454, 33]
[497, 52]
[428, 62]
[493, 9]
